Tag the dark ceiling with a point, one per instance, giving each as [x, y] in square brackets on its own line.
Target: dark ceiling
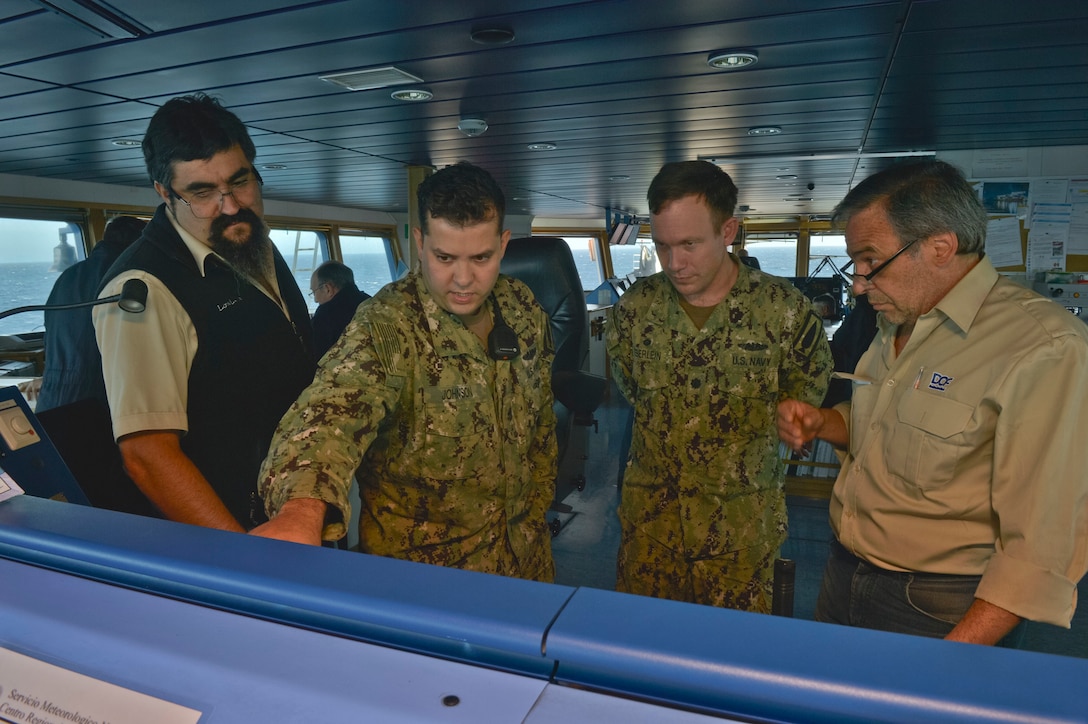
[618, 87]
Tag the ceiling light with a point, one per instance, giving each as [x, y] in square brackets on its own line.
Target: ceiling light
[764, 131]
[412, 95]
[125, 142]
[99, 20]
[273, 166]
[621, 177]
[370, 78]
[732, 59]
[492, 34]
[542, 146]
[785, 177]
[472, 127]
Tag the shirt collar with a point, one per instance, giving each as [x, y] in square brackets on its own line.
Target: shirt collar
[962, 303]
[197, 248]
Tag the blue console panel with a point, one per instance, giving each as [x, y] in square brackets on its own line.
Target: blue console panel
[253, 630]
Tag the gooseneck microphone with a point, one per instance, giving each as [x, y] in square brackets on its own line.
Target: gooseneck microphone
[133, 298]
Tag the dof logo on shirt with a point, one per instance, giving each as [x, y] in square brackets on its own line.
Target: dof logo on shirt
[939, 382]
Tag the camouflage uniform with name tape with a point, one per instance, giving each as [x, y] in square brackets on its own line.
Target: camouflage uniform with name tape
[703, 512]
[456, 452]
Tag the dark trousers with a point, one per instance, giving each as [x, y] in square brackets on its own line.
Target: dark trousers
[857, 593]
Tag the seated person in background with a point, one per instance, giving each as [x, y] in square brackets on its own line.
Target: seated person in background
[332, 286]
[453, 437]
[825, 306]
[73, 367]
[748, 261]
[959, 510]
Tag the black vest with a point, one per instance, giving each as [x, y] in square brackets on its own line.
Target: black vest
[251, 361]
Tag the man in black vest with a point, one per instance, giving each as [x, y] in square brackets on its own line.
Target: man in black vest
[332, 286]
[197, 383]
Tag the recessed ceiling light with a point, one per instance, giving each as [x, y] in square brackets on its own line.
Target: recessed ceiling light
[621, 177]
[542, 146]
[764, 131]
[274, 166]
[785, 177]
[795, 198]
[412, 95]
[472, 126]
[492, 34]
[125, 142]
[732, 59]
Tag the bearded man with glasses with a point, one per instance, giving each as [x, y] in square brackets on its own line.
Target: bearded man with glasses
[959, 510]
[197, 383]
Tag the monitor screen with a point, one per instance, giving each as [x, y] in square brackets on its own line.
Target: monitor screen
[623, 234]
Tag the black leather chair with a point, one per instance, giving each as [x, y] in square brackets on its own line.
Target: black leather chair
[546, 265]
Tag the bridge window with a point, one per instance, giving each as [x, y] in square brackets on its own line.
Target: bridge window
[371, 258]
[776, 252]
[303, 250]
[639, 258]
[33, 253]
[587, 258]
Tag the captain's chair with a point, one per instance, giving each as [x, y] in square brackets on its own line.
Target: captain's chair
[546, 265]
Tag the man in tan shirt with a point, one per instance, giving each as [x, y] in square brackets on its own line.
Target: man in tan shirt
[960, 509]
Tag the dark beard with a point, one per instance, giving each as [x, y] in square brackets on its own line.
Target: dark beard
[252, 257]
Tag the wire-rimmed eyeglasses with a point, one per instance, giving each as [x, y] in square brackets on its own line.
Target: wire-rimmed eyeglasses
[855, 276]
[206, 203]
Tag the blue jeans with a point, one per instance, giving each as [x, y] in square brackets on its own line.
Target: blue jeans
[857, 593]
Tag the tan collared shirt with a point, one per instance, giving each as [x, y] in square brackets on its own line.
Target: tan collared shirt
[147, 356]
[967, 452]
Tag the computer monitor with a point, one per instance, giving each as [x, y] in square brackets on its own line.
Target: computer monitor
[623, 234]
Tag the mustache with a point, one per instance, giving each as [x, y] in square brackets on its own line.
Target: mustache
[247, 216]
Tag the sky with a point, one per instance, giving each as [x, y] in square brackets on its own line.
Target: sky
[24, 241]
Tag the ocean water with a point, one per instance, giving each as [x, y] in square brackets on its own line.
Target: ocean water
[23, 285]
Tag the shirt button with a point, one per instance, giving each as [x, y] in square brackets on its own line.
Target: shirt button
[696, 384]
[891, 383]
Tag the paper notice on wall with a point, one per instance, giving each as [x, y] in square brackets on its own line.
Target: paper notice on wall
[1048, 238]
[34, 691]
[1078, 219]
[1000, 163]
[1003, 245]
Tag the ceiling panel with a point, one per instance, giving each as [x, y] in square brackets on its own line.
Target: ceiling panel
[621, 86]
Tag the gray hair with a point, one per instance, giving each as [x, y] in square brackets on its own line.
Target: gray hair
[922, 199]
[334, 273]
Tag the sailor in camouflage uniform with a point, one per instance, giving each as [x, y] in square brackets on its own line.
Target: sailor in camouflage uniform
[457, 448]
[704, 351]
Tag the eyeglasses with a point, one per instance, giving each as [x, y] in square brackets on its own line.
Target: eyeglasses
[313, 292]
[854, 276]
[206, 203]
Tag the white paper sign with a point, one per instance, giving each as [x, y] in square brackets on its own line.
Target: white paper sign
[1003, 242]
[35, 692]
[8, 488]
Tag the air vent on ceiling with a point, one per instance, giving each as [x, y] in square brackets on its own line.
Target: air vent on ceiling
[98, 18]
[371, 78]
